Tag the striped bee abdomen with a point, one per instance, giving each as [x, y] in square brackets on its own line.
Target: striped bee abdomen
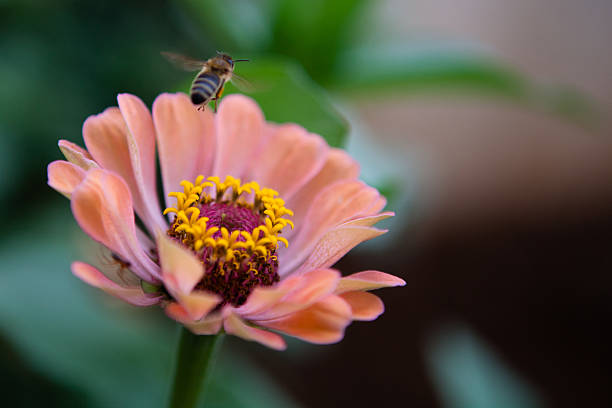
[204, 87]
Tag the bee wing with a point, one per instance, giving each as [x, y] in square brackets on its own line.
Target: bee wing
[242, 84]
[186, 63]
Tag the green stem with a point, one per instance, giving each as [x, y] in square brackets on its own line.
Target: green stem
[195, 360]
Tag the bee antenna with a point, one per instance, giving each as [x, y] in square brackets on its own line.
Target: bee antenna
[238, 60]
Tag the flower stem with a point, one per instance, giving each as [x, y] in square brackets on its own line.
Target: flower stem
[195, 360]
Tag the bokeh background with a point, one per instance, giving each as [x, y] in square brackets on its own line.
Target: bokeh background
[486, 124]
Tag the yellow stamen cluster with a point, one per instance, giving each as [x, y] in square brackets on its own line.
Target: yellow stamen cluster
[229, 182]
[190, 195]
[195, 233]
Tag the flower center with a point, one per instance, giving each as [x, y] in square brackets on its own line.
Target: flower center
[233, 229]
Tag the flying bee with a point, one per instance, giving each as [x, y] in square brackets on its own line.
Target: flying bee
[214, 73]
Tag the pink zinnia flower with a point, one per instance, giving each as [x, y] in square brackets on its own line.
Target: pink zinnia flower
[250, 257]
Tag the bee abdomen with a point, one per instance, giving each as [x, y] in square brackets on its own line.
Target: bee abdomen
[208, 78]
[204, 88]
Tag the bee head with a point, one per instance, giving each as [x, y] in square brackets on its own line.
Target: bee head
[228, 59]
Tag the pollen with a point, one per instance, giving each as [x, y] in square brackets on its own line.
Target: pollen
[234, 229]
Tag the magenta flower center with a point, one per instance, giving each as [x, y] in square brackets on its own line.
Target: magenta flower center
[233, 229]
[230, 216]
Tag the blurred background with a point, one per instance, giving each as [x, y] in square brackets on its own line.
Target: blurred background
[485, 123]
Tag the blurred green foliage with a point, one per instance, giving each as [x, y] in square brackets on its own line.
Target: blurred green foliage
[315, 35]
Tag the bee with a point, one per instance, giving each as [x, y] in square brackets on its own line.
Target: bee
[214, 73]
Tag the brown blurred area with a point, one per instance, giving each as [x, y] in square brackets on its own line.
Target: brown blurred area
[512, 228]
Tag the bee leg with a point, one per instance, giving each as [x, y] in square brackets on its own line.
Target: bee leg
[218, 96]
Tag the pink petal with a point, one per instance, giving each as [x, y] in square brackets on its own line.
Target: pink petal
[102, 205]
[234, 325]
[198, 303]
[262, 298]
[333, 246]
[106, 137]
[77, 155]
[369, 220]
[177, 312]
[368, 280]
[364, 305]
[314, 285]
[145, 242]
[304, 291]
[333, 206]
[64, 176]
[211, 324]
[181, 271]
[240, 135]
[291, 158]
[185, 138]
[141, 144]
[207, 326]
[338, 166]
[133, 295]
[377, 205]
[322, 323]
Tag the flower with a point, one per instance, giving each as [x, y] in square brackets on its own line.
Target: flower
[252, 258]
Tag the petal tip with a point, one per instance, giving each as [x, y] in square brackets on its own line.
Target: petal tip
[123, 99]
[124, 95]
[242, 102]
[181, 270]
[168, 96]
